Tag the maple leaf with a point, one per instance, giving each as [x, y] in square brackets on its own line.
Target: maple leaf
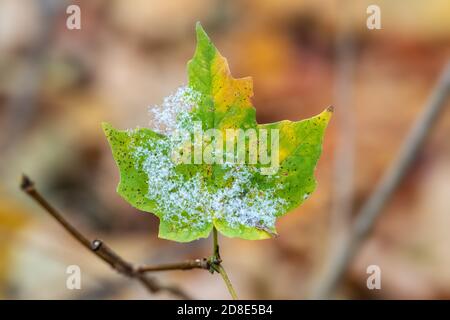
[240, 198]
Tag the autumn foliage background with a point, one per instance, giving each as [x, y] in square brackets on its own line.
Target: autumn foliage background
[56, 86]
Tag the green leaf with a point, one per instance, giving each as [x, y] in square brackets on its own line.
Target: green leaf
[240, 198]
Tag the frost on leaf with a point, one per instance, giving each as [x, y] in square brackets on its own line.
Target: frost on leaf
[239, 199]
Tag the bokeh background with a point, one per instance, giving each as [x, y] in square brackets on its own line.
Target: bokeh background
[58, 85]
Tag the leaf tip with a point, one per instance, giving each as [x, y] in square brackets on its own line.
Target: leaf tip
[201, 33]
[106, 126]
[269, 232]
[326, 114]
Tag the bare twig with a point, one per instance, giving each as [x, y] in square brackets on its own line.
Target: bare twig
[185, 265]
[373, 207]
[98, 247]
[215, 265]
[227, 281]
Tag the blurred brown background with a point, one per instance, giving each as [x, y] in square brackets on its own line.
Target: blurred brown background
[57, 85]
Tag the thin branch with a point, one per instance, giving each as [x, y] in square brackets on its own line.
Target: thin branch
[99, 248]
[185, 265]
[373, 207]
[215, 265]
[227, 281]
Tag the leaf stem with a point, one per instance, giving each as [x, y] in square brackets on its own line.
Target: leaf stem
[215, 244]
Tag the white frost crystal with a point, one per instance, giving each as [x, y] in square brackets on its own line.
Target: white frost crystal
[193, 200]
[165, 116]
